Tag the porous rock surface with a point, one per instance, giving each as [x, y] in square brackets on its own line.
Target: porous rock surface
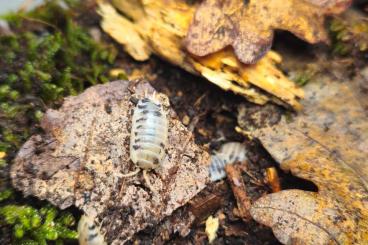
[81, 158]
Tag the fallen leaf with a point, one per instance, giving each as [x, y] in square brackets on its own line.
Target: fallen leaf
[162, 26]
[248, 26]
[82, 156]
[326, 143]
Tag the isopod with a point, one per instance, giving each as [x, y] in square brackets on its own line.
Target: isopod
[148, 134]
[229, 153]
[89, 233]
[217, 167]
[233, 151]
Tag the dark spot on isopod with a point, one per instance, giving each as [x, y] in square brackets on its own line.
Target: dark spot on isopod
[157, 113]
[92, 227]
[134, 100]
[145, 100]
[162, 145]
[135, 147]
[108, 109]
[142, 106]
[141, 119]
[139, 126]
[145, 112]
[92, 236]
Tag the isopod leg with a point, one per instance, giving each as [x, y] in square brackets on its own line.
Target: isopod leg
[131, 173]
[148, 182]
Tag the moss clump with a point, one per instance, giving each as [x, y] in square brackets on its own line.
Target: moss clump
[5, 194]
[349, 35]
[303, 78]
[32, 226]
[48, 57]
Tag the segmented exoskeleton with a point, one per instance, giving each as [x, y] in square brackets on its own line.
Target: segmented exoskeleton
[89, 233]
[229, 153]
[149, 134]
[217, 167]
[148, 137]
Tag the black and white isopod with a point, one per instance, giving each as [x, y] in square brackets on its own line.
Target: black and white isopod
[89, 233]
[229, 153]
[148, 134]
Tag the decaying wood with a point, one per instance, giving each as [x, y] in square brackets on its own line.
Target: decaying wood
[207, 202]
[84, 152]
[159, 27]
[327, 144]
[237, 185]
[248, 26]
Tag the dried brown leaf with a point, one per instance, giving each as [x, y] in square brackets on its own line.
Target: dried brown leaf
[327, 144]
[248, 27]
[82, 156]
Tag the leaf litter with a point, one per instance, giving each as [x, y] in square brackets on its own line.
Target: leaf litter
[228, 229]
[327, 143]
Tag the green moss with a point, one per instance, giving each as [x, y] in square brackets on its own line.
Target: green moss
[303, 78]
[5, 194]
[38, 226]
[58, 59]
[48, 57]
[349, 35]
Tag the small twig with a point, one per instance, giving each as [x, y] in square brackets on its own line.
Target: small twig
[31, 19]
[195, 120]
[273, 179]
[199, 100]
[237, 185]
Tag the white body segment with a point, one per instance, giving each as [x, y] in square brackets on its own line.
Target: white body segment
[148, 135]
[229, 153]
[233, 152]
[89, 233]
[217, 168]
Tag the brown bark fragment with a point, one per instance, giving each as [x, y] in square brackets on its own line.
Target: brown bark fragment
[237, 185]
[84, 152]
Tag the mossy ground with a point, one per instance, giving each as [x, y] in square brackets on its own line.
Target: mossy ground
[46, 55]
